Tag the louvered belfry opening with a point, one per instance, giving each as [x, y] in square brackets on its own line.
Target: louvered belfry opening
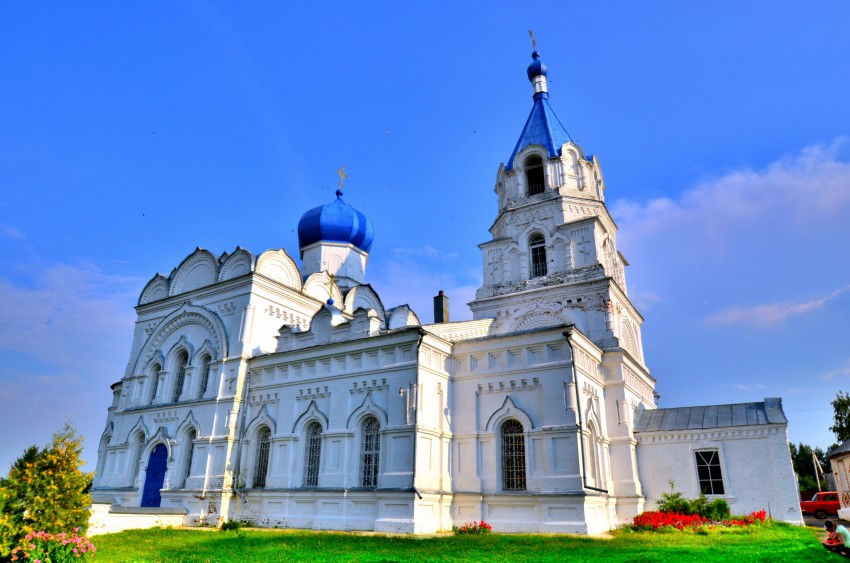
[534, 175]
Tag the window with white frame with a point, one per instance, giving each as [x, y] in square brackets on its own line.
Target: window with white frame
[370, 453]
[261, 466]
[182, 361]
[709, 473]
[513, 456]
[312, 455]
[537, 248]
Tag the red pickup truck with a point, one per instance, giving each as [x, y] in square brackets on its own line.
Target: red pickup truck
[822, 503]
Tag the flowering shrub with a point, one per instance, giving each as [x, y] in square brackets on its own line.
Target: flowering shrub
[41, 547]
[474, 528]
[44, 491]
[654, 520]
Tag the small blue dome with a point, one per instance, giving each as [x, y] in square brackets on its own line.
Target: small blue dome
[336, 222]
[536, 68]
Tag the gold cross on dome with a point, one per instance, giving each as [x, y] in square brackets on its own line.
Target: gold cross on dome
[533, 42]
[342, 176]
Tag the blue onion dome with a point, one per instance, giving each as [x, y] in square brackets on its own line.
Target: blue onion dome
[336, 222]
[536, 68]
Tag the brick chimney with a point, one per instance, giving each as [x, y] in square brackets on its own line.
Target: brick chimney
[441, 308]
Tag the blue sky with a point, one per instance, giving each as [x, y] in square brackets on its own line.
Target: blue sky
[131, 133]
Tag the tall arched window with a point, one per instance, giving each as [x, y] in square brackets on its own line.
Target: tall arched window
[592, 468]
[370, 453]
[312, 455]
[182, 360]
[513, 456]
[190, 452]
[261, 468]
[205, 377]
[537, 248]
[534, 182]
[155, 380]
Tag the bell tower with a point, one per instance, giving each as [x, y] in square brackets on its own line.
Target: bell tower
[553, 256]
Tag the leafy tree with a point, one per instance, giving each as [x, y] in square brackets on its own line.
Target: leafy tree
[841, 416]
[45, 491]
[801, 458]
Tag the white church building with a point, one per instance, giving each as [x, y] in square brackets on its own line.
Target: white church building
[290, 395]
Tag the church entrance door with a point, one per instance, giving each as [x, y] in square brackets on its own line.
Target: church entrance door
[155, 476]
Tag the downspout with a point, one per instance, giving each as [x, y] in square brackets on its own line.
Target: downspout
[240, 432]
[422, 334]
[568, 332]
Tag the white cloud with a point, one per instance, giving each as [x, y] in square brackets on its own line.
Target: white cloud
[798, 189]
[67, 315]
[743, 245]
[751, 387]
[425, 251]
[843, 371]
[770, 314]
[11, 232]
[65, 336]
[414, 281]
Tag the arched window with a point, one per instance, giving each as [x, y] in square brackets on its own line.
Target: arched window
[370, 453]
[534, 182]
[592, 468]
[513, 456]
[190, 452]
[205, 377]
[261, 468]
[312, 455]
[182, 360]
[155, 380]
[537, 247]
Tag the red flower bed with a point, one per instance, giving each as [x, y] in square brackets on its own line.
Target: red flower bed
[474, 528]
[654, 520]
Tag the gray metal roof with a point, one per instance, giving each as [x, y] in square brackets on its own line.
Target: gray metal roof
[712, 416]
[844, 447]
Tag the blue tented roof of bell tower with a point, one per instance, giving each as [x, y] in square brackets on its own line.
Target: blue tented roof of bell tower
[542, 128]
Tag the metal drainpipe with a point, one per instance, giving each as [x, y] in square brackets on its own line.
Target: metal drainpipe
[422, 334]
[240, 432]
[568, 332]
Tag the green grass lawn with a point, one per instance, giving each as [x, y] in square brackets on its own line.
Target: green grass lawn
[771, 542]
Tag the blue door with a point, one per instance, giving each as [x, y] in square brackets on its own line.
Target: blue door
[155, 476]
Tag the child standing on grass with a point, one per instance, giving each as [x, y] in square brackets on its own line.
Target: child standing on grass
[838, 540]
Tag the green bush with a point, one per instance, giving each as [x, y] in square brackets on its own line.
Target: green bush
[231, 526]
[674, 501]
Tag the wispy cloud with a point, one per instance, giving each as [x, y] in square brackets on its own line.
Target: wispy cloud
[65, 332]
[750, 387]
[71, 310]
[719, 214]
[722, 247]
[770, 314]
[843, 371]
[425, 251]
[9, 231]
